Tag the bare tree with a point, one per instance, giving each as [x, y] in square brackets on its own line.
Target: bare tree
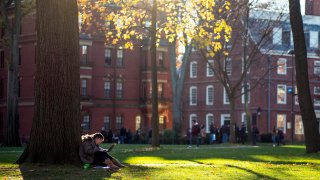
[251, 55]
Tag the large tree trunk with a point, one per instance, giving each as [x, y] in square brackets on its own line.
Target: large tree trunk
[55, 134]
[177, 85]
[12, 137]
[153, 49]
[309, 120]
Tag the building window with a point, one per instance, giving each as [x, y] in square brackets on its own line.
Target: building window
[193, 96]
[160, 90]
[298, 125]
[107, 57]
[316, 96]
[209, 95]
[1, 59]
[106, 122]
[83, 87]
[282, 66]
[209, 120]
[281, 122]
[120, 58]
[84, 55]
[138, 122]
[193, 69]
[317, 67]
[19, 56]
[161, 59]
[210, 64]
[119, 122]
[281, 94]
[277, 36]
[86, 123]
[243, 94]
[314, 39]
[228, 66]
[162, 123]
[119, 89]
[286, 38]
[191, 118]
[225, 119]
[244, 119]
[226, 99]
[107, 89]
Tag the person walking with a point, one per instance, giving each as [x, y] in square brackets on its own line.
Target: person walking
[212, 130]
[203, 134]
[255, 133]
[196, 133]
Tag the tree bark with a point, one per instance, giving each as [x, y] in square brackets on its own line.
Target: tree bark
[154, 71]
[310, 124]
[232, 137]
[12, 137]
[55, 133]
[177, 85]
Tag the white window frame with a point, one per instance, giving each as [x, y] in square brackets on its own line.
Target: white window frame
[279, 63]
[285, 93]
[191, 97]
[138, 122]
[243, 118]
[249, 94]
[314, 39]
[225, 97]
[316, 68]
[106, 119]
[190, 119]
[107, 87]
[210, 72]
[84, 87]
[228, 66]
[208, 121]
[316, 92]
[284, 122]
[223, 117]
[208, 102]
[193, 70]
[277, 36]
[295, 122]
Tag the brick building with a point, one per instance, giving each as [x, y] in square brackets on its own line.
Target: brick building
[115, 84]
[271, 103]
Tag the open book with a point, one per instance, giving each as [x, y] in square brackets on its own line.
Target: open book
[111, 147]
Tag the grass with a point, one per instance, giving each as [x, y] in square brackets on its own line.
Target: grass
[177, 162]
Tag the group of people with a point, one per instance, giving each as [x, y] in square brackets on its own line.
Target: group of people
[198, 135]
[123, 136]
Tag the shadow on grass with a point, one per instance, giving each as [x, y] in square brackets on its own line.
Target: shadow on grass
[259, 175]
[44, 171]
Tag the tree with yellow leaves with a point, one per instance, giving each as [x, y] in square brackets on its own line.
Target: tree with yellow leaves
[196, 21]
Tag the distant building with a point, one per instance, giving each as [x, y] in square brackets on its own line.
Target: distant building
[115, 84]
[270, 103]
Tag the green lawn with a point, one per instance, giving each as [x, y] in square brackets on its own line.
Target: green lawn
[177, 162]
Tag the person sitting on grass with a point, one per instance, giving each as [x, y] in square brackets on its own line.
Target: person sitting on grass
[91, 153]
